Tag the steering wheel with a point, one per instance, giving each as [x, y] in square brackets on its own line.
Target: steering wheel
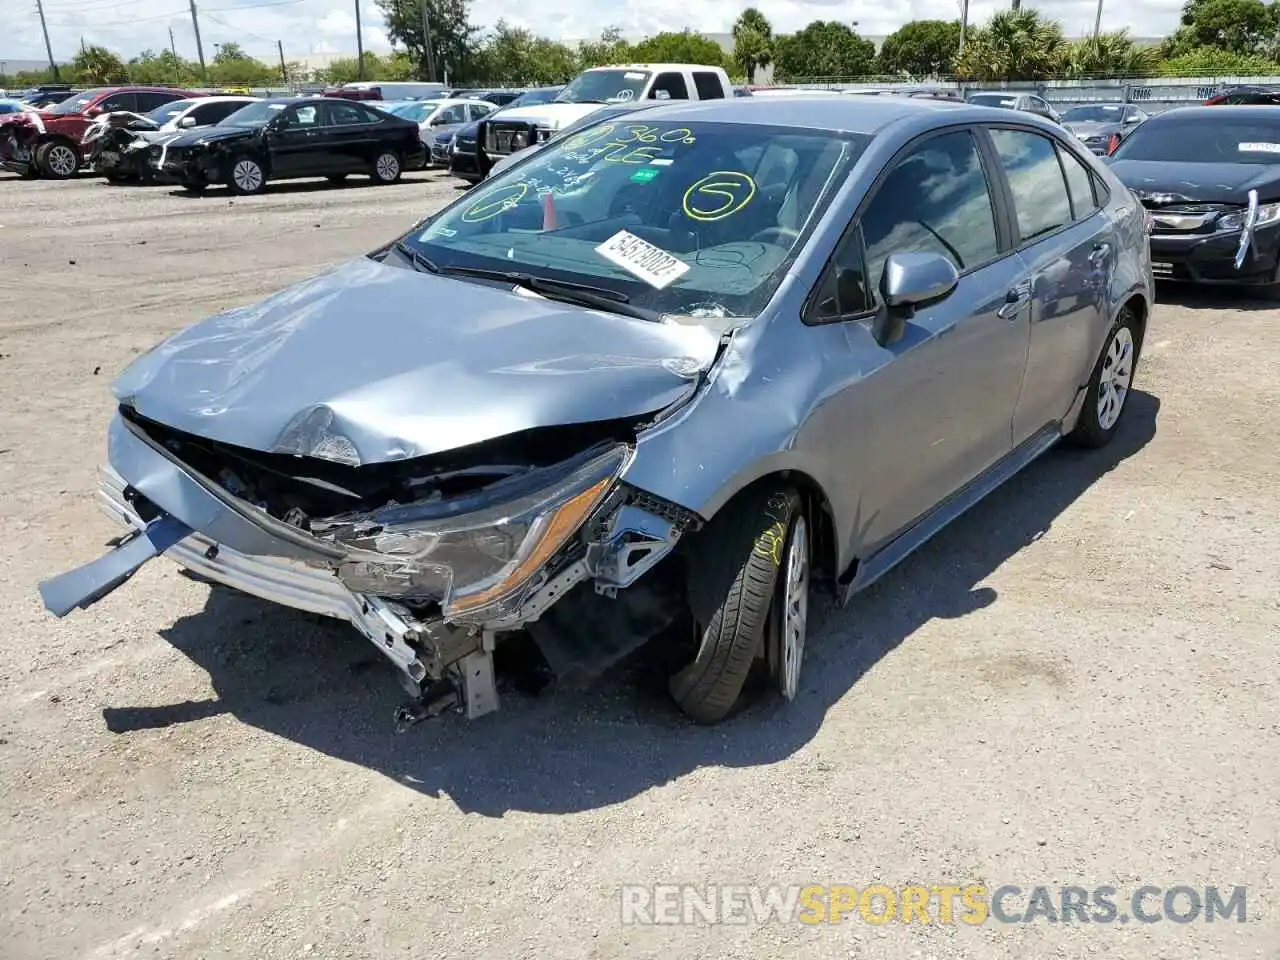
[772, 234]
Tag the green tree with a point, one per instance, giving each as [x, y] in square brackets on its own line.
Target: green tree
[454, 41]
[150, 67]
[823, 49]
[1240, 26]
[921, 48]
[752, 42]
[683, 47]
[1111, 55]
[347, 69]
[1014, 45]
[98, 66]
[1216, 62]
[231, 65]
[610, 48]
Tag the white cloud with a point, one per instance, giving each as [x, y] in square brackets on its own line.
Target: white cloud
[328, 26]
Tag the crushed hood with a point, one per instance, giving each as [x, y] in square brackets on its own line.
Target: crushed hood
[373, 363]
[1160, 183]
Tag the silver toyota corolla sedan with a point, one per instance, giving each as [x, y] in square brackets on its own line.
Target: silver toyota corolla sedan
[661, 379]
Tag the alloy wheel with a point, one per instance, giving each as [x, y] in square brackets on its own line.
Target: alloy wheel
[1117, 375]
[247, 176]
[388, 167]
[795, 608]
[62, 160]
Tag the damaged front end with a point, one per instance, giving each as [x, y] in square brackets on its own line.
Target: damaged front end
[432, 559]
[19, 135]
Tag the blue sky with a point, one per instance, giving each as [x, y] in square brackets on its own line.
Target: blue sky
[326, 26]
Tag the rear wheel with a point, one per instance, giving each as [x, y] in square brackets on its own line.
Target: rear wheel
[736, 573]
[246, 176]
[1108, 393]
[386, 167]
[57, 160]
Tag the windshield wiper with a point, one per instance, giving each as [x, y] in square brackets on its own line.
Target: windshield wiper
[582, 294]
[420, 260]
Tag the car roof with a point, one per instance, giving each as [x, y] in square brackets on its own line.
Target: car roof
[1241, 112]
[845, 114]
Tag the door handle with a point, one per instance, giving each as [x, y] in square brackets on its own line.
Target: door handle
[1018, 295]
[1100, 252]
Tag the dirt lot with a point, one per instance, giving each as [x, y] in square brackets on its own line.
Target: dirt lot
[1076, 684]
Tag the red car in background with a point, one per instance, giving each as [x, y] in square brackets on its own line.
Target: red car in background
[48, 143]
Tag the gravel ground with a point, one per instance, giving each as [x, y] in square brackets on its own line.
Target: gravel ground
[1075, 684]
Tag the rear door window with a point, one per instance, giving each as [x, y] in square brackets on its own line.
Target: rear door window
[708, 85]
[1040, 196]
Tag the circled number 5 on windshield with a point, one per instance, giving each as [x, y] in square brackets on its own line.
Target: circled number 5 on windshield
[495, 203]
[719, 194]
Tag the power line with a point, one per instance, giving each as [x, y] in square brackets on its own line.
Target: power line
[247, 33]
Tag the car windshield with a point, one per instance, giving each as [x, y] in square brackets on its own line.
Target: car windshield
[254, 115]
[993, 100]
[531, 97]
[415, 110]
[1203, 140]
[77, 102]
[689, 218]
[1104, 113]
[604, 86]
[167, 111]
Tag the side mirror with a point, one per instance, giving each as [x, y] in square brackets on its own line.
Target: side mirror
[1129, 120]
[910, 280]
[187, 122]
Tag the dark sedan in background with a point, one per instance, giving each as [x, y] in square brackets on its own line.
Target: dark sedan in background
[1210, 179]
[1101, 126]
[284, 139]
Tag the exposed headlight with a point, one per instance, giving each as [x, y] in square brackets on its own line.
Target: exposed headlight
[475, 557]
[1267, 213]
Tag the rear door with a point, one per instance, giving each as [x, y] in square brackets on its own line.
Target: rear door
[1067, 251]
[349, 133]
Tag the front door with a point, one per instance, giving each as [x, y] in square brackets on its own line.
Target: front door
[936, 412]
[295, 142]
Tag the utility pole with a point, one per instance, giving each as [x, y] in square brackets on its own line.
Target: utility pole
[427, 45]
[284, 71]
[1017, 5]
[48, 48]
[1097, 21]
[359, 45]
[964, 23]
[173, 47]
[195, 25]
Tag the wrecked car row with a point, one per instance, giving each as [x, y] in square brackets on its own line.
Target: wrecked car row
[654, 382]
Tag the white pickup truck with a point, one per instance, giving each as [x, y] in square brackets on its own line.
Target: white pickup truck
[520, 127]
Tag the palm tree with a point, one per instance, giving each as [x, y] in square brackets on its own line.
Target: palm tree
[1014, 45]
[1110, 54]
[752, 41]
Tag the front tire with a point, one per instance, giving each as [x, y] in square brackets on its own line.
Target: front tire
[735, 574]
[57, 160]
[246, 176]
[386, 167]
[1108, 393]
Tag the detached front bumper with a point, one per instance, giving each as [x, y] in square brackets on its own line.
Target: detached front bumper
[167, 508]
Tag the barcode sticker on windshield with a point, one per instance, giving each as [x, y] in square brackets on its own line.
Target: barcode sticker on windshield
[631, 75]
[1259, 148]
[651, 264]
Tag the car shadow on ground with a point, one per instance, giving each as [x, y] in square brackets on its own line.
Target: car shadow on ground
[316, 682]
[1214, 297]
[353, 182]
